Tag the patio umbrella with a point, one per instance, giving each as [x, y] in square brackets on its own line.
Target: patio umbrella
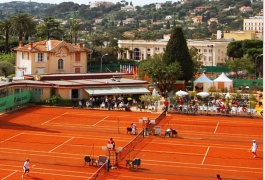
[181, 93]
[203, 94]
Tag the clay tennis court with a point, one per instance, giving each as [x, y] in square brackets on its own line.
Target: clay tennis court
[56, 140]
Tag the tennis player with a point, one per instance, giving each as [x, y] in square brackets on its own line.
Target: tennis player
[26, 168]
[254, 148]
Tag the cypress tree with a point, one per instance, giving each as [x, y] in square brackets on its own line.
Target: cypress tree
[177, 51]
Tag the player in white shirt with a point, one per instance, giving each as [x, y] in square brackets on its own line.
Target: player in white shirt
[254, 148]
[26, 168]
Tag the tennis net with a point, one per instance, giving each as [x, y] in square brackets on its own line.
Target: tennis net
[100, 173]
[131, 145]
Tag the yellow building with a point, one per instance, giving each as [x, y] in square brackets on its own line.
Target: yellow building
[50, 57]
[242, 35]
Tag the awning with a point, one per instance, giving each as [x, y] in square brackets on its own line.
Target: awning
[116, 90]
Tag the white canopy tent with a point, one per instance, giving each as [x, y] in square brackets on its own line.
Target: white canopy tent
[223, 82]
[203, 82]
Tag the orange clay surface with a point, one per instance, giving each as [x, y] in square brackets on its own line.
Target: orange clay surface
[56, 140]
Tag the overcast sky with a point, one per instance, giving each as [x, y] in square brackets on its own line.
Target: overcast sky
[135, 2]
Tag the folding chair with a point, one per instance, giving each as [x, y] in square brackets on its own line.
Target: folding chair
[174, 133]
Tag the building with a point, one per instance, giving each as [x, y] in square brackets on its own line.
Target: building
[242, 35]
[253, 24]
[212, 51]
[252, 29]
[77, 86]
[50, 57]
[245, 9]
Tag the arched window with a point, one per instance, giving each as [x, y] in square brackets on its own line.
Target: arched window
[60, 64]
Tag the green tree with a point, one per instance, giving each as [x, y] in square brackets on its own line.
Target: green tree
[168, 25]
[75, 26]
[50, 28]
[6, 68]
[196, 58]
[160, 73]
[177, 51]
[237, 49]
[5, 26]
[23, 26]
[10, 57]
[240, 64]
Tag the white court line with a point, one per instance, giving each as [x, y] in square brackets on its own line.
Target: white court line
[11, 137]
[216, 127]
[9, 175]
[210, 167]
[56, 174]
[61, 144]
[54, 118]
[56, 170]
[205, 154]
[100, 121]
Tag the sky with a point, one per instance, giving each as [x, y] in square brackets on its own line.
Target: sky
[135, 2]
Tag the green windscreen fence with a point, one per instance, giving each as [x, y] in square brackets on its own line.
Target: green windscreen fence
[14, 100]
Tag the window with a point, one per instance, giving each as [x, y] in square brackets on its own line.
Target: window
[60, 64]
[205, 50]
[77, 56]
[38, 91]
[16, 91]
[40, 57]
[77, 70]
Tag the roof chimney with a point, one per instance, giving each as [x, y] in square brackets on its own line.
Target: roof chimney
[20, 44]
[30, 45]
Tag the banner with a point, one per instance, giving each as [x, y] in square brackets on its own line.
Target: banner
[14, 100]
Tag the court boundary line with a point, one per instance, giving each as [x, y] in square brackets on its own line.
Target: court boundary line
[56, 117]
[48, 169]
[216, 128]
[61, 144]
[10, 175]
[100, 121]
[12, 137]
[166, 163]
[205, 155]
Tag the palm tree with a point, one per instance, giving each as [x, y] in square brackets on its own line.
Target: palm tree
[75, 25]
[5, 29]
[22, 25]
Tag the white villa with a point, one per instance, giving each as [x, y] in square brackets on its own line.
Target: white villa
[212, 51]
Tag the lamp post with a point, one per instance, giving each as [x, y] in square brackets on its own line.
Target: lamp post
[228, 96]
[90, 59]
[101, 61]
[211, 46]
[256, 58]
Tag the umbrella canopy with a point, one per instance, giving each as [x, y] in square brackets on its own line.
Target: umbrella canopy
[181, 93]
[203, 94]
[228, 95]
